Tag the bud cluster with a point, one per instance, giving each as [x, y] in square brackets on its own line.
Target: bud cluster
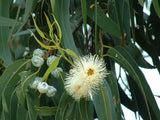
[37, 61]
[55, 71]
[43, 87]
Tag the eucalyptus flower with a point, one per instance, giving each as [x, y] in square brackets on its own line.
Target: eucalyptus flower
[85, 77]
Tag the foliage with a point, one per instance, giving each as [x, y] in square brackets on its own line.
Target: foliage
[69, 29]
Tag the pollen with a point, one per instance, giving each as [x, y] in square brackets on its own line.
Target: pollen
[77, 88]
[90, 72]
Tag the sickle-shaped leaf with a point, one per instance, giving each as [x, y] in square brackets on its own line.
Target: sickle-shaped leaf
[10, 78]
[60, 9]
[122, 57]
[104, 104]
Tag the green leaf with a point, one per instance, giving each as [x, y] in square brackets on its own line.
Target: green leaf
[50, 26]
[32, 100]
[56, 9]
[104, 22]
[7, 102]
[156, 6]
[10, 75]
[10, 78]
[103, 103]
[63, 106]
[141, 2]
[138, 100]
[38, 30]
[70, 52]
[72, 111]
[112, 82]
[98, 106]
[14, 105]
[6, 98]
[136, 54]
[40, 43]
[29, 7]
[126, 20]
[4, 33]
[119, 17]
[122, 57]
[84, 110]
[106, 99]
[59, 29]
[45, 110]
[27, 77]
[61, 12]
[4, 21]
[22, 113]
[51, 67]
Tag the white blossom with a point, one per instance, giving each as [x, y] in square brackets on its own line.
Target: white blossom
[85, 77]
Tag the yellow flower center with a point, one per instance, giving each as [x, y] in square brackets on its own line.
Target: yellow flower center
[90, 72]
[77, 88]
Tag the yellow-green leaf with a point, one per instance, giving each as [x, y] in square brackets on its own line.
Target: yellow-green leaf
[72, 53]
[51, 67]
[41, 44]
[38, 30]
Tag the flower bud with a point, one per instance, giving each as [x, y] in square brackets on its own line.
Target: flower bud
[51, 91]
[56, 71]
[37, 61]
[50, 59]
[38, 52]
[36, 82]
[42, 87]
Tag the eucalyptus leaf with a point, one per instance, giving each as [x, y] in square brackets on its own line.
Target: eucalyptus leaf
[84, 110]
[156, 6]
[45, 110]
[4, 33]
[113, 84]
[32, 100]
[138, 57]
[61, 11]
[4, 21]
[51, 67]
[121, 56]
[10, 78]
[104, 104]
[27, 78]
[22, 113]
[104, 22]
[63, 106]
